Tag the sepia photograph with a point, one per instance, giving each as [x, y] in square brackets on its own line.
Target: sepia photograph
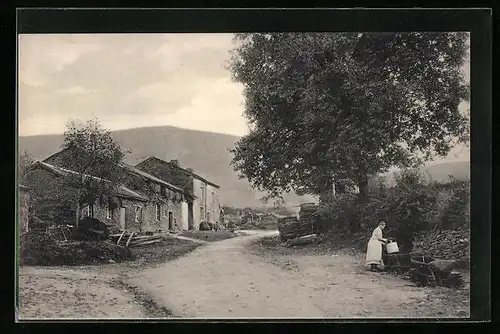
[245, 175]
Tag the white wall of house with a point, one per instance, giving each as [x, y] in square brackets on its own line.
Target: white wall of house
[184, 216]
[212, 203]
[206, 204]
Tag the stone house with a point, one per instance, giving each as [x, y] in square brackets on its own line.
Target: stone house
[205, 205]
[167, 208]
[130, 208]
[24, 208]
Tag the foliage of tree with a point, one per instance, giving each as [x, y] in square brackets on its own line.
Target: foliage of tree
[24, 163]
[456, 212]
[91, 152]
[52, 198]
[343, 106]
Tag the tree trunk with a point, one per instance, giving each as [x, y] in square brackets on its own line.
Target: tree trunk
[326, 192]
[77, 213]
[363, 185]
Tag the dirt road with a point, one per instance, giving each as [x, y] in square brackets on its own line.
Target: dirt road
[224, 280]
[47, 293]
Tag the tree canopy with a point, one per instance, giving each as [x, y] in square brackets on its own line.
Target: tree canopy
[94, 158]
[342, 106]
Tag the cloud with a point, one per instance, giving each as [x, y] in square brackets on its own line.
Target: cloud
[74, 90]
[129, 80]
[41, 56]
[218, 107]
[125, 80]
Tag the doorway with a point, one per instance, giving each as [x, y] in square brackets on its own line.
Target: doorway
[170, 220]
[190, 216]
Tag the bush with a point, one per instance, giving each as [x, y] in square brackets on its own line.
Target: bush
[204, 226]
[87, 227]
[411, 208]
[38, 248]
[37, 224]
[456, 213]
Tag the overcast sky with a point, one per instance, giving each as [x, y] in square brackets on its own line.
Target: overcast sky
[129, 81]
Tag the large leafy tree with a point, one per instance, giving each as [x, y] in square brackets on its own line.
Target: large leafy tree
[93, 157]
[91, 151]
[24, 162]
[343, 106]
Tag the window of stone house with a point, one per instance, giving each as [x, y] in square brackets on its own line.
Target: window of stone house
[88, 211]
[202, 213]
[158, 211]
[163, 191]
[109, 211]
[137, 213]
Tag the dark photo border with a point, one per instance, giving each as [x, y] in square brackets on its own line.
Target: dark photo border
[477, 21]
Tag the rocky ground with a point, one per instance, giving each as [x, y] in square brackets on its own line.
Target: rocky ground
[445, 244]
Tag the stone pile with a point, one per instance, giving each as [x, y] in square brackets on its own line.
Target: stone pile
[444, 244]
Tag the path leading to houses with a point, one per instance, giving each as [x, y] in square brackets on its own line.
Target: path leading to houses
[180, 237]
[227, 279]
[224, 279]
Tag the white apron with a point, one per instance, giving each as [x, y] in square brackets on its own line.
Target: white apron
[374, 249]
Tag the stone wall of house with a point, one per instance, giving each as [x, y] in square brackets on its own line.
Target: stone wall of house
[24, 208]
[176, 208]
[147, 217]
[45, 193]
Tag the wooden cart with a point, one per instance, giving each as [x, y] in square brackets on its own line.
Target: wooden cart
[422, 271]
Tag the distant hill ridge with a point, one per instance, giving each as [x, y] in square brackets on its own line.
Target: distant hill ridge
[207, 153]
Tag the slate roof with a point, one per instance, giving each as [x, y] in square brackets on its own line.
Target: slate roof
[184, 170]
[122, 191]
[150, 177]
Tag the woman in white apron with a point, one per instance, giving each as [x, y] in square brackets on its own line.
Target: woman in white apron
[374, 249]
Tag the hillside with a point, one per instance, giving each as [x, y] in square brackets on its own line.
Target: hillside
[440, 172]
[207, 153]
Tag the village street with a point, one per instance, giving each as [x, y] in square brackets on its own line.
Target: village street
[224, 279]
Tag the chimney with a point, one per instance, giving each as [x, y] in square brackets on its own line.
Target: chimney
[174, 162]
[190, 170]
